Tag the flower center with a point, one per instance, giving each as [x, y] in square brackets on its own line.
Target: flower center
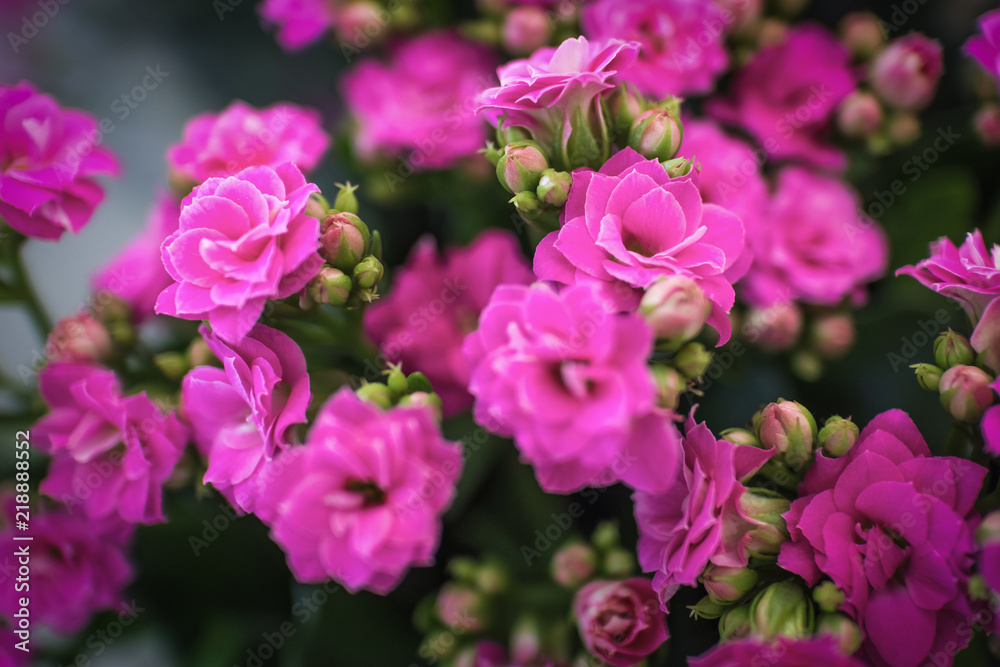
[369, 491]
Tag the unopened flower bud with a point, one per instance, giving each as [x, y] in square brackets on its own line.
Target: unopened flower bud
[344, 239]
[656, 134]
[526, 202]
[861, 34]
[833, 334]
[966, 393]
[606, 536]
[928, 376]
[828, 596]
[464, 568]
[460, 608]
[775, 328]
[317, 206]
[574, 564]
[395, 379]
[837, 436]
[553, 187]
[989, 529]
[903, 128]
[860, 115]
[618, 563]
[743, 12]
[692, 360]
[740, 436]
[771, 32]
[526, 29]
[625, 105]
[707, 608]
[782, 610]
[421, 399]
[174, 365]
[844, 630]
[735, 623]
[953, 349]
[905, 74]
[675, 309]
[765, 509]
[727, 585]
[525, 640]
[368, 272]
[377, 393]
[353, 18]
[491, 578]
[346, 201]
[790, 428]
[520, 166]
[678, 167]
[670, 384]
[200, 354]
[78, 339]
[987, 124]
[331, 286]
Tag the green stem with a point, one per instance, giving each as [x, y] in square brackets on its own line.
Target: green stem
[28, 296]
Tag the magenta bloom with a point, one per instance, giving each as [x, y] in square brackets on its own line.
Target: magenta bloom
[110, 453]
[970, 275]
[630, 224]
[565, 375]
[136, 274]
[435, 302]
[905, 74]
[242, 414]
[78, 566]
[10, 656]
[787, 94]
[892, 526]
[675, 58]
[299, 22]
[991, 426]
[620, 622]
[48, 160]
[420, 105]
[361, 502]
[985, 47]
[818, 652]
[240, 136]
[812, 246]
[242, 240]
[542, 93]
[697, 519]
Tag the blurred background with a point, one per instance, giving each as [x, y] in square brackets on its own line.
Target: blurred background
[218, 604]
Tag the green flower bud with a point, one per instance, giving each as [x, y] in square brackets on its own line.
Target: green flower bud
[707, 608]
[953, 349]
[844, 630]
[330, 286]
[417, 381]
[344, 240]
[553, 187]
[376, 393]
[678, 166]
[396, 380]
[727, 585]
[368, 272]
[782, 610]
[735, 623]
[828, 596]
[619, 563]
[790, 428]
[692, 360]
[656, 134]
[928, 376]
[670, 384]
[765, 509]
[606, 536]
[837, 436]
[422, 399]
[966, 393]
[346, 201]
[526, 202]
[520, 166]
[741, 436]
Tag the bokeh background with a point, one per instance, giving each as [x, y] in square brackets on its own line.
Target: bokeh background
[215, 605]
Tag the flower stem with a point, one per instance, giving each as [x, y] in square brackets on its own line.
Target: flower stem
[22, 288]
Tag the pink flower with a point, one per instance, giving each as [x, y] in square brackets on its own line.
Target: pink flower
[136, 274]
[892, 526]
[10, 655]
[985, 47]
[813, 652]
[300, 23]
[787, 94]
[629, 224]
[48, 159]
[436, 301]
[989, 556]
[78, 339]
[905, 74]
[812, 247]
[543, 93]
[420, 105]
[566, 376]
[990, 425]
[242, 414]
[620, 622]
[242, 240]
[240, 136]
[110, 453]
[361, 502]
[697, 518]
[78, 566]
[970, 275]
[682, 41]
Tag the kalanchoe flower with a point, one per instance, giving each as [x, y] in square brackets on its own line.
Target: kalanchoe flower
[966, 392]
[48, 160]
[566, 377]
[656, 134]
[985, 47]
[666, 30]
[242, 240]
[818, 652]
[240, 136]
[78, 339]
[905, 74]
[832, 334]
[991, 425]
[525, 29]
[814, 248]
[242, 414]
[987, 123]
[775, 328]
[629, 224]
[300, 23]
[675, 308]
[436, 301]
[419, 106]
[892, 527]
[620, 622]
[574, 564]
[698, 519]
[361, 502]
[789, 429]
[344, 240]
[78, 566]
[859, 115]
[787, 94]
[110, 453]
[970, 274]
[985, 339]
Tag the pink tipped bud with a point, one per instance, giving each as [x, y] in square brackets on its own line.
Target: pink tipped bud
[776, 328]
[903, 128]
[905, 74]
[692, 360]
[833, 334]
[460, 608]
[987, 124]
[553, 187]
[859, 115]
[574, 564]
[740, 436]
[765, 509]
[656, 134]
[772, 32]
[843, 629]
[344, 240]
[828, 596]
[727, 585]
[78, 339]
[988, 533]
[331, 286]
[861, 34]
[520, 166]
[526, 29]
[422, 399]
[675, 309]
[790, 428]
[625, 106]
[670, 384]
[837, 436]
[358, 19]
[928, 376]
[966, 392]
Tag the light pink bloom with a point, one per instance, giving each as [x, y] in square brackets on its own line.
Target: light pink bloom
[620, 622]
[420, 105]
[48, 160]
[683, 42]
[985, 47]
[566, 376]
[812, 246]
[435, 301]
[242, 240]
[242, 414]
[240, 136]
[629, 224]
[361, 502]
[905, 73]
[300, 23]
[111, 453]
